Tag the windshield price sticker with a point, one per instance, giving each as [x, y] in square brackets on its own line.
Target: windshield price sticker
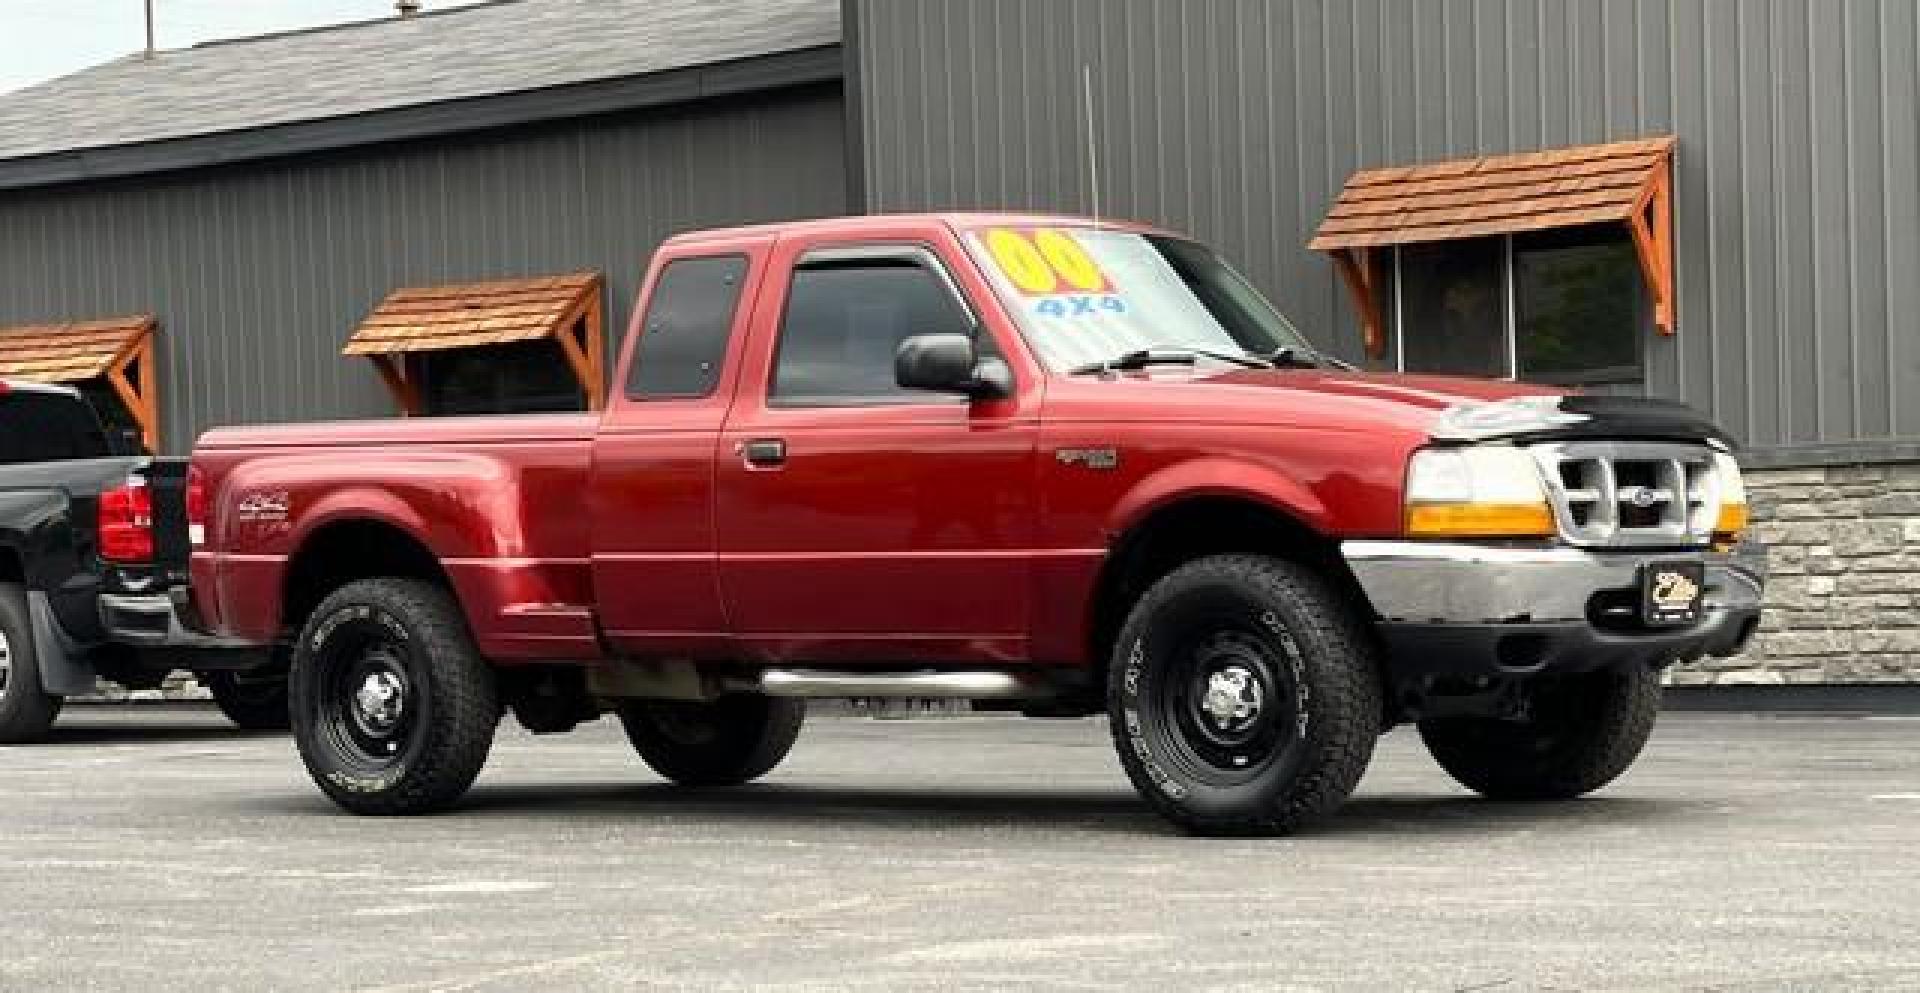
[1080, 305]
[1050, 264]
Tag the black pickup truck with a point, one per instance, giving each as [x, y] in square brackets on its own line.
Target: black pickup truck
[94, 542]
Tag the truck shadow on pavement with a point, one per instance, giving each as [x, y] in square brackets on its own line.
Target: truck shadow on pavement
[778, 805]
[146, 734]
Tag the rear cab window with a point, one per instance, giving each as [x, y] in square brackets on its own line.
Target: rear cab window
[47, 426]
[687, 327]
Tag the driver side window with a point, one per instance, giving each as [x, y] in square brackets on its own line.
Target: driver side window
[843, 321]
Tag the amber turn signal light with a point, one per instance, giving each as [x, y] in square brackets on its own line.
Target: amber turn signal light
[1480, 520]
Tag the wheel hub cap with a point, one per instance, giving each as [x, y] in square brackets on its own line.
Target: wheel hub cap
[6, 661]
[380, 701]
[1232, 699]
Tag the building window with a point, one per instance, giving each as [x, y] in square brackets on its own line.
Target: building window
[1566, 306]
[1579, 306]
[1452, 308]
[522, 377]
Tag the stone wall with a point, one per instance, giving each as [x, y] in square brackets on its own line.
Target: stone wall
[1843, 603]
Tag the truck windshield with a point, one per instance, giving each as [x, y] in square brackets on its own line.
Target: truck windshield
[47, 427]
[1085, 296]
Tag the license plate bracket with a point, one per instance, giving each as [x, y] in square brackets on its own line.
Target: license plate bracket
[1671, 593]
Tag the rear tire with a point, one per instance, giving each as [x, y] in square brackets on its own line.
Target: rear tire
[393, 708]
[252, 701]
[1244, 695]
[1579, 733]
[26, 712]
[732, 740]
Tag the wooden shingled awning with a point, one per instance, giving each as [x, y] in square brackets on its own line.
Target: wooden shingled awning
[1624, 181]
[471, 315]
[117, 350]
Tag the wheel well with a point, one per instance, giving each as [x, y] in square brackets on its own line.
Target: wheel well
[344, 551]
[12, 570]
[1174, 535]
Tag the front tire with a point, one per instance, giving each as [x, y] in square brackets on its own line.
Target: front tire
[726, 742]
[1244, 696]
[1574, 735]
[26, 711]
[393, 708]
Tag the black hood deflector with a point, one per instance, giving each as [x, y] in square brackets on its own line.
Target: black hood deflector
[1627, 418]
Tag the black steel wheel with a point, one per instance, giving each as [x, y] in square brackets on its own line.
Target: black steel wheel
[26, 710]
[393, 708]
[1244, 696]
[728, 741]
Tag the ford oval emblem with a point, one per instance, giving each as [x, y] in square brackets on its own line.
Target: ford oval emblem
[1642, 498]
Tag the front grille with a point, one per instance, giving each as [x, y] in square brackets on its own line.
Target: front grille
[1630, 493]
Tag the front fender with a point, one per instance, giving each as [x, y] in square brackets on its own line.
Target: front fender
[1218, 477]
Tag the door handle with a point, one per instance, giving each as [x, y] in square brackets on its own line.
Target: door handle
[764, 453]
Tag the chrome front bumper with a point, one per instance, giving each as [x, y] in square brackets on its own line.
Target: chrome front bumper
[1482, 609]
[1419, 581]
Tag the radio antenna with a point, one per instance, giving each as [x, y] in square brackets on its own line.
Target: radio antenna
[1093, 154]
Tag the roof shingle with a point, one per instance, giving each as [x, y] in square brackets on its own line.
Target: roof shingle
[1497, 194]
[489, 49]
[71, 352]
[437, 318]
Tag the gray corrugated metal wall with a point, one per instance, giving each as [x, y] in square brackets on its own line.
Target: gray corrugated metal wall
[259, 272]
[1798, 170]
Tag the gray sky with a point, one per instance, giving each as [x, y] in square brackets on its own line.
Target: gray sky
[41, 39]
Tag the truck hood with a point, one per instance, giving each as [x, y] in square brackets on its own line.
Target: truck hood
[1444, 408]
[1322, 399]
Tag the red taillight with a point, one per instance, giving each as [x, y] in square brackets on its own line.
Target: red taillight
[126, 523]
[196, 506]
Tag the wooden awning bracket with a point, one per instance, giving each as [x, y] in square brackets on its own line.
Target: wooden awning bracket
[138, 393]
[1356, 269]
[582, 340]
[406, 393]
[1651, 225]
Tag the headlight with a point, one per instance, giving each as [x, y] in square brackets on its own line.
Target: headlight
[1481, 492]
[1732, 492]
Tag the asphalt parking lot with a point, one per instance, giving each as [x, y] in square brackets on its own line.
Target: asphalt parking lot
[152, 848]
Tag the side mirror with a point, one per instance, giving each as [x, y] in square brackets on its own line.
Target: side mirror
[947, 363]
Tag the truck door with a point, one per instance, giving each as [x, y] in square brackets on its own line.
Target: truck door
[651, 492]
[859, 521]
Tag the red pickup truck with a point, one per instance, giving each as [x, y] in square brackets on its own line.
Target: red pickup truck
[1040, 463]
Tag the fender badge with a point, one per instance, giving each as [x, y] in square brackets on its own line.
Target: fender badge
[264, 506]
[1089, 458]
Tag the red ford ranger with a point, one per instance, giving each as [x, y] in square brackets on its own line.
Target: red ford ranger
[1038, 463]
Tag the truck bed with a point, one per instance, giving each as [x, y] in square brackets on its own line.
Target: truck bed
[478, 429]
[526, 575]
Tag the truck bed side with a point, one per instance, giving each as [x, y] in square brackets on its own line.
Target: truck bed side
[494, 503]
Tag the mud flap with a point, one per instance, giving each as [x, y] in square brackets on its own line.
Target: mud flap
[63, 667]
